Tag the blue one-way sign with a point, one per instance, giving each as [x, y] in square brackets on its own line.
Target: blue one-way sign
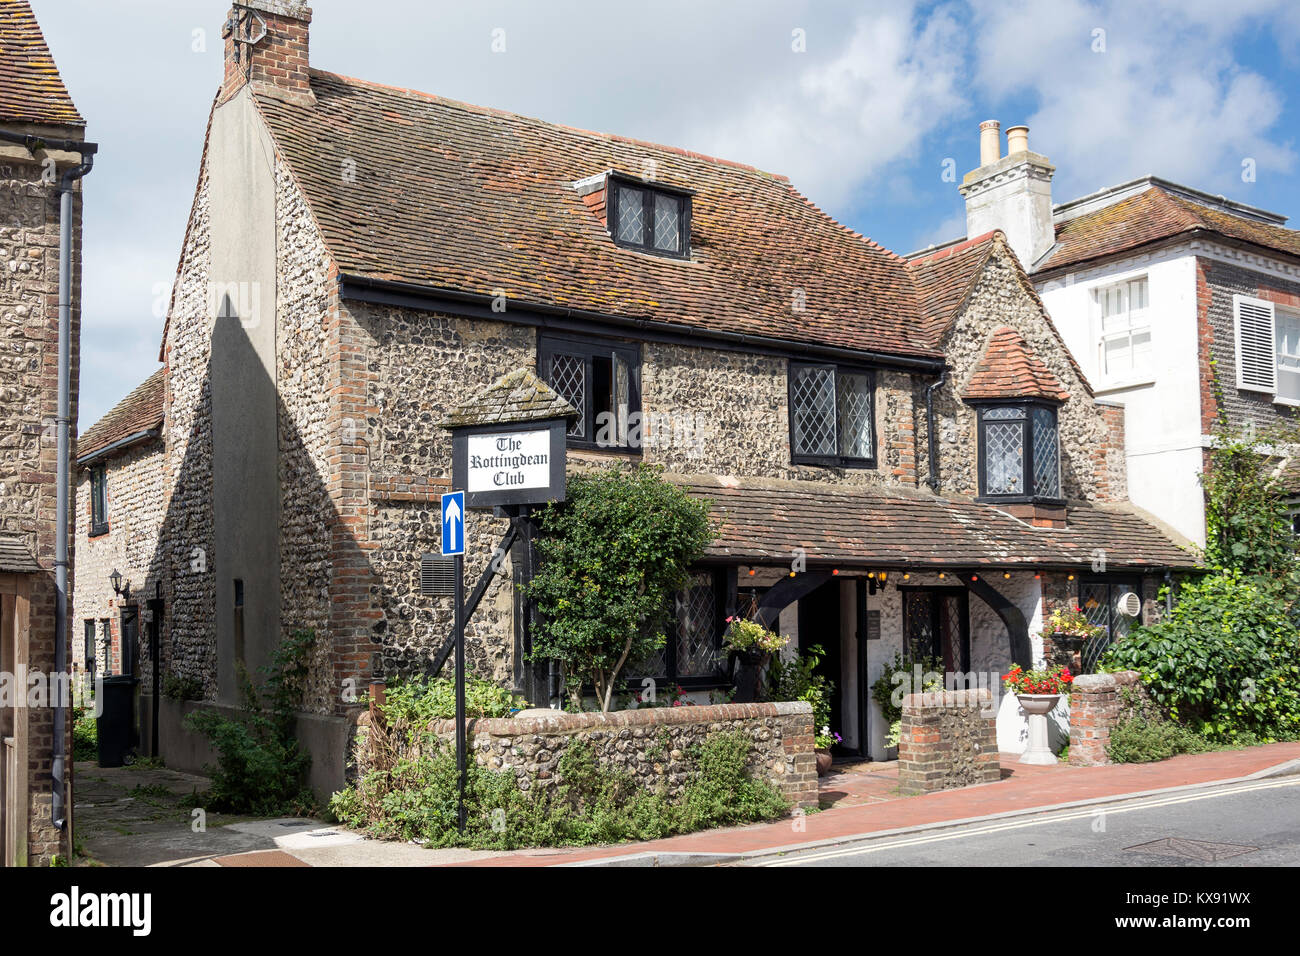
[453, 523]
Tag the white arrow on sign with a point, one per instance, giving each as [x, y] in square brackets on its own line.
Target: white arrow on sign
[453, 516]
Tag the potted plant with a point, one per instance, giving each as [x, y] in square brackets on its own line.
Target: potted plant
[822, 744]
[1065, 632]
[752, 645]
[1039, 691]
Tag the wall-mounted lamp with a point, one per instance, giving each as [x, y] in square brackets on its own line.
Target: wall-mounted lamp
[120, 588]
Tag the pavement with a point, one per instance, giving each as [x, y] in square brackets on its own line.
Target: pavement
[127, 820]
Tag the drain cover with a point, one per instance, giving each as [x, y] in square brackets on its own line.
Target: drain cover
[1198, 850]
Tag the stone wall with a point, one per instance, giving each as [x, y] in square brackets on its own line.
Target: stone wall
[189, 645]
[29, 329]
[135, 482]
[1097, 704]
[649, 743]
[998, 299]
[948, 740]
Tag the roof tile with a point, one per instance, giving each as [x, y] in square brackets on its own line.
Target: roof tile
[31, 90]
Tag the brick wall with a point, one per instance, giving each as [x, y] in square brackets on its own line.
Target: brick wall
[1096, 706]
[650, 743]
[135, 481]
[948, 740]
[29, 329]
[279, 61]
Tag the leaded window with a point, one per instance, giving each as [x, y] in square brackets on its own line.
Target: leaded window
[691, 652]
[650, 218]
[602, 381]
[98, 500]
[1020, 456]
[831, 415]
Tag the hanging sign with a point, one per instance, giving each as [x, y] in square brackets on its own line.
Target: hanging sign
[515, 464]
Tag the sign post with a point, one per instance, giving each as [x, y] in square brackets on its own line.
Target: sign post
[507, 453]
[453, 544]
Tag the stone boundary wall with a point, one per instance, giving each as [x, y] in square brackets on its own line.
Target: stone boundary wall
[948, 740]
[1096, 705]
[650, 743]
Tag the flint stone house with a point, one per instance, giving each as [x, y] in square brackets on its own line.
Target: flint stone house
[1181, 306]
[895, 451]
[121, 482]
[33, 103]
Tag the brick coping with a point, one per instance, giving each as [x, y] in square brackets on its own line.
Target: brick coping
[621, 719]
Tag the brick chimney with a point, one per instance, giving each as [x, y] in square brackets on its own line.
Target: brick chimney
[266, 45]
[1012, 193]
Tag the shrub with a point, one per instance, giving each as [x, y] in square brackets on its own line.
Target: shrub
[415, 799]
[181, 688]
[419, 700]
[260, 768]
[897, 680]
[610, 558]
[85, 738]
[1140, 740]
[1225, 662]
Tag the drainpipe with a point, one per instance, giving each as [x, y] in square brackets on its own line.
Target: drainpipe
[933, 480]
[58, 770]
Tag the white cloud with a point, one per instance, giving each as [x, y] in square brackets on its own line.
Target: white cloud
[1157, 92]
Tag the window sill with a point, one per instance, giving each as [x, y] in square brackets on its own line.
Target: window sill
[98, 531]
[1286, 402]
[1122, 385]
[596, 453]
[857, 464]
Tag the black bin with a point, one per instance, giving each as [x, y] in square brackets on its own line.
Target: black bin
[115, 725]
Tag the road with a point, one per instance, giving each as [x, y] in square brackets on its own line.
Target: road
[1251, 824]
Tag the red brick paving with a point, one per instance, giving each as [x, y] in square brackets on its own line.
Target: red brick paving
[867, 803]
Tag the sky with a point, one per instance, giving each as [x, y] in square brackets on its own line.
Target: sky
[871, 108]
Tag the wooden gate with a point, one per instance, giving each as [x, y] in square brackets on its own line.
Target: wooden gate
[14, 637]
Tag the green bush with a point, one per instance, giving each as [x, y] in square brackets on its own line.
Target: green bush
[587, 803]
[260, 768]
[181, 688]
[610, 558]
[419, 700]
[1225, 663]
[795, 680]
[1139, 740]
[85, 738]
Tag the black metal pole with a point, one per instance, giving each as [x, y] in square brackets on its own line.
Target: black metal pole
[460, 689]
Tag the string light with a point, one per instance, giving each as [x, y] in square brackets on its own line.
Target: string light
[1006, 575]
[907, 577]
[836, 571]
[883, 575]
[974, 577]
[1070, 578]
[942, 575]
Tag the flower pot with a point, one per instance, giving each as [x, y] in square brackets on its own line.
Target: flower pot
[1036, 708]
[823, 761]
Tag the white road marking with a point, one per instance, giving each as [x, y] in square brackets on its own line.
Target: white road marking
[1048, 817]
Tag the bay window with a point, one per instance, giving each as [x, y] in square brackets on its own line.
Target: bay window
[1019, 452]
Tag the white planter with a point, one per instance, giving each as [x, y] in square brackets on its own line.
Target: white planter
[1013, 725]
[1037, 707]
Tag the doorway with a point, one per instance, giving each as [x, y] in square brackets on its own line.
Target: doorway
[819, 623]
[15, 611]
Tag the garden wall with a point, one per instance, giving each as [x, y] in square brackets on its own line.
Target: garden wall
[948, 739]
[1096, 705]
[650, 743]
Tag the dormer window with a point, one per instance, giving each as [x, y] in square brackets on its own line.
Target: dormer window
[1019, 453]
[650, 218]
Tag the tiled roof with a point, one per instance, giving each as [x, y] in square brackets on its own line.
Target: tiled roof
[15, 558]
[31, 90]
[944, 279]
[518, 396]
[1153, 215]
[456, 197]
[140, 411]
[764, 523]
[1009, 369]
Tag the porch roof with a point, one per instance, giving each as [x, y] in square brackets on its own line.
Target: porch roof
[15, 557]
[764, 523]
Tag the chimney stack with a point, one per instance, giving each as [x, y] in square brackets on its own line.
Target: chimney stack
[1012, 193]
[266, 46]
[990, 142]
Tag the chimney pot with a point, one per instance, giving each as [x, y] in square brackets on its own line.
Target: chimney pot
[990, 142]
[1017, 139]
[266, 46]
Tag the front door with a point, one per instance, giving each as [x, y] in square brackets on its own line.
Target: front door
[819, 623]
[936, 624]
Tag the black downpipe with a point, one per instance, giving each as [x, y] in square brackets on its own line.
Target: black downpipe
[933, 440]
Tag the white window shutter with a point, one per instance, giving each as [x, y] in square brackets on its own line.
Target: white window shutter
[1256, 361]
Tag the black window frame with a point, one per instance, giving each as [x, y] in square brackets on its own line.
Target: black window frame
[1115, 584]
[90, 651]
[587, 349]
[648, 192]
[718, 677]
[98, 500]
[834, 461]
[1027, 406]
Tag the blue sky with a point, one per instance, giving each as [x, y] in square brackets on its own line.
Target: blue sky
[863, 105]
